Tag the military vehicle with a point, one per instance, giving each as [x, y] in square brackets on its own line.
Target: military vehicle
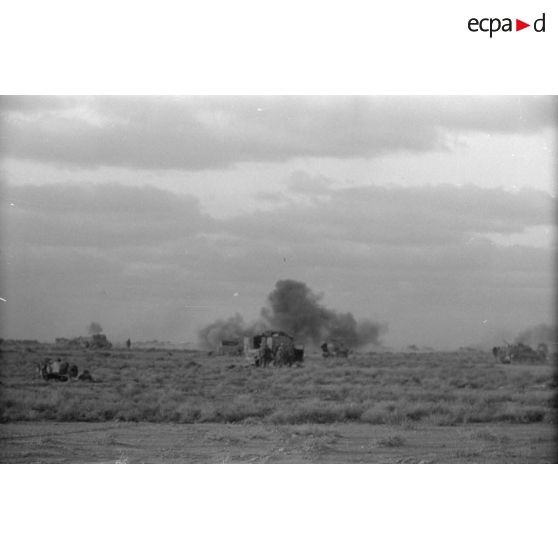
[272, 348]
[61, 371]
[96, 341]
[230, 347]
[334, 349]
[519, 352]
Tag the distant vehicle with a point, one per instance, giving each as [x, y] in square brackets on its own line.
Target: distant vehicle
[49, 370]
[275, 348]
[61, 371]
[334, 349]
[96, 341]
[100, 341]
[519, 352]
[230, 347]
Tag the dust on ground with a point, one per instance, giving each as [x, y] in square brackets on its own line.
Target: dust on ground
[52, 442]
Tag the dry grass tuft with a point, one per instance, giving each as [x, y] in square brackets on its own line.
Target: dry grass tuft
[393, 441]
[397, 389]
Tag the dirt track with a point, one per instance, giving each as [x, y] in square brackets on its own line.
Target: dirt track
[114, 442]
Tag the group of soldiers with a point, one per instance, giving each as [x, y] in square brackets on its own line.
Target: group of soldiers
[61, 371]
[281, 355]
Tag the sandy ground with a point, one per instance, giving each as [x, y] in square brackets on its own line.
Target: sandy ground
[116, 442]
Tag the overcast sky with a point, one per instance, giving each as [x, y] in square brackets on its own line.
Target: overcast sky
[156, 215]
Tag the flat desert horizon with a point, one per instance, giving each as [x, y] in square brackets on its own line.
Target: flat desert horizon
[278, 279]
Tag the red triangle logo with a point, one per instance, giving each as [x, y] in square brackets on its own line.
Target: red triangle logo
[519, 25]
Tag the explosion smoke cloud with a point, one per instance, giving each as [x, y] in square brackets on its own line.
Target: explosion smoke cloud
[294, 308]
[541, 333]
[232, 328]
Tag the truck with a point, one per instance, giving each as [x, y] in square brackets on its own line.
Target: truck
[272, 348]
[519, 352]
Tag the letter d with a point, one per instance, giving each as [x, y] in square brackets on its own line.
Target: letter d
[535, 25]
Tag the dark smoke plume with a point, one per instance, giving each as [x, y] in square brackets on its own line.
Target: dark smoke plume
[294, 308]
[541, 333]
[233, 328]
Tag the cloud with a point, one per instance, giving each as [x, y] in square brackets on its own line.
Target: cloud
[142, 256]
[334, 228]
[374, 215]
[104, 216]
[300, 182]
[194, 133]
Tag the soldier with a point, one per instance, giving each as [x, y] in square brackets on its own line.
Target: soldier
[265, 356]
[44, 368]
[64, 368]
[55, 366]
[284, 355]
[289, 354]
[128, 344]
[85, 376]
[279, 356]
[542, 352]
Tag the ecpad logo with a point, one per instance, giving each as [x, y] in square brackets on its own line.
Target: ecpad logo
[493, 25]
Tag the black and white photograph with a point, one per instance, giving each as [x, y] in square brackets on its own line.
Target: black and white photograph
[280, 279]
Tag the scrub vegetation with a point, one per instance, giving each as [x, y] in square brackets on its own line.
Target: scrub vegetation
[162, 386]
